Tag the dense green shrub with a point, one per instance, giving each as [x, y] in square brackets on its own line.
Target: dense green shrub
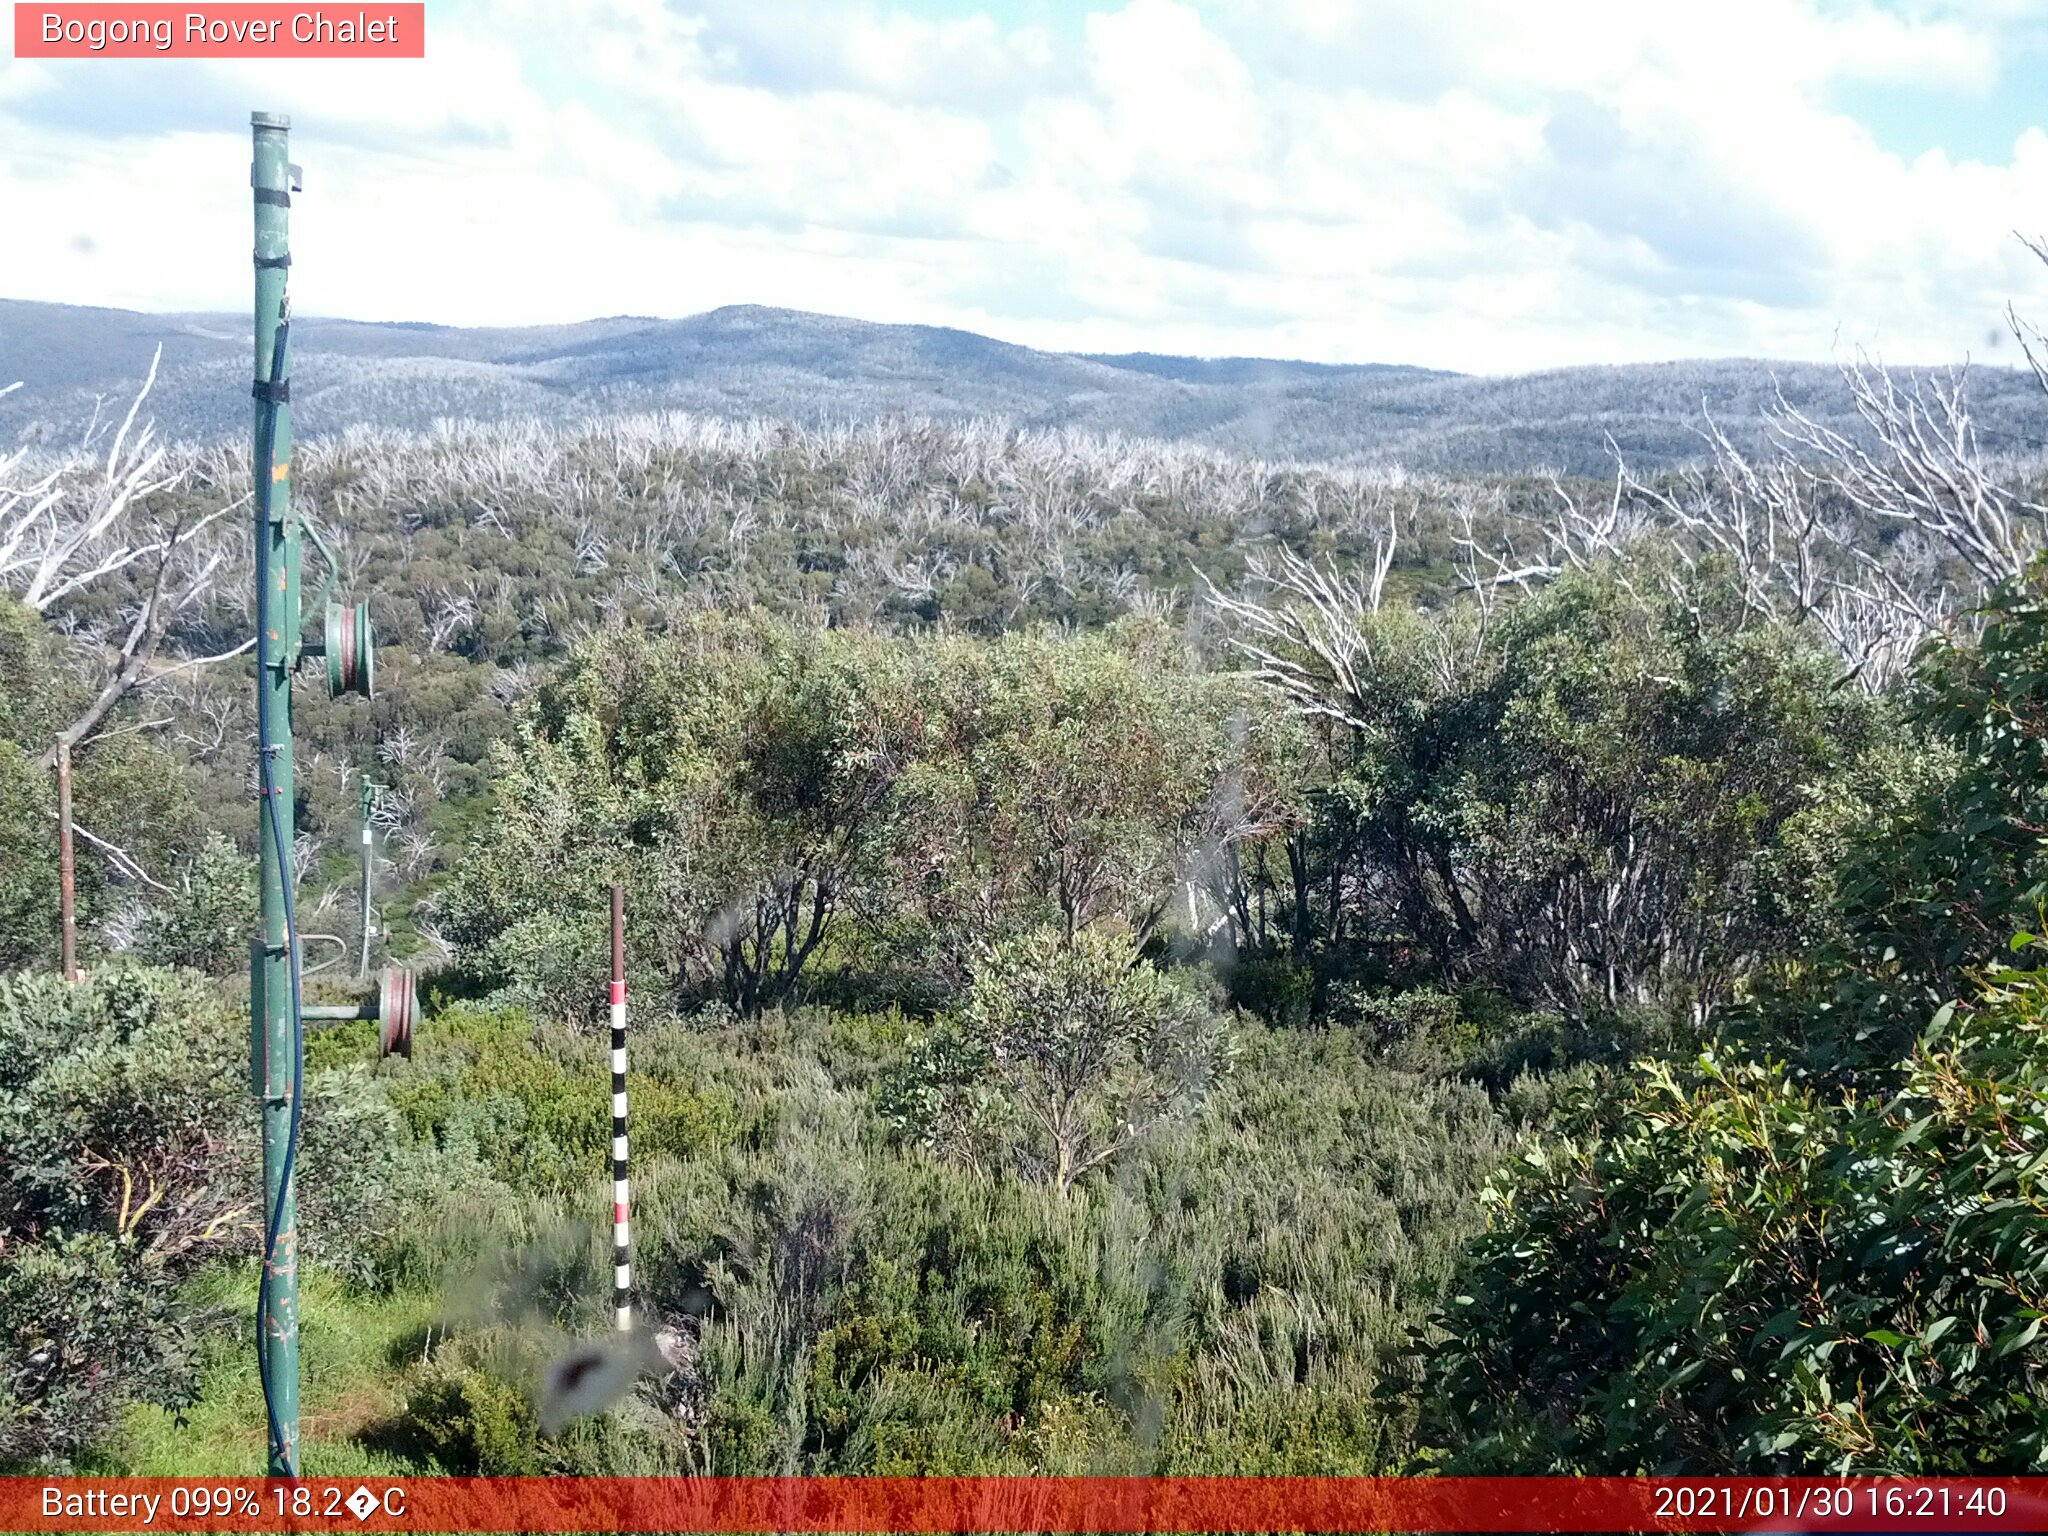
[1062, 1054]
[778, 799]
[1280, 991]
[126, 790]
[471, 1422]
[131, 1157]
[1945, 877]
[1218, 1302]
[1219, 1298]
[742, 778]
[1821, 1246]
[1606, 797]
[531, 1107]
[1750, 1274]
[1421, 1031]
[28, 860]
[88, 1324]
[208, 921]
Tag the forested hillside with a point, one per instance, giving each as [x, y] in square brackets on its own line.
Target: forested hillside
[825, 371]
[1143, 958]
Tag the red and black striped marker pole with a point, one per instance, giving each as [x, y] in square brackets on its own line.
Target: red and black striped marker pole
[622, 1227]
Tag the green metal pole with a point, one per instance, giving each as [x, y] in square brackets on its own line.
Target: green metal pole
[274, 1025]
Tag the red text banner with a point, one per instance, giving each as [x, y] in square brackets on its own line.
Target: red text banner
[1052, 1504]
[237, 31]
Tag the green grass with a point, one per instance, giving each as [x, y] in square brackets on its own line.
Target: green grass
[358, 1353]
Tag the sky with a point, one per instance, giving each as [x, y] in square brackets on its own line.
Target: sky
[1486, 185]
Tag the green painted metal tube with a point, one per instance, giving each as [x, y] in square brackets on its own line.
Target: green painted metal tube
[276, 646]
[340, 1010]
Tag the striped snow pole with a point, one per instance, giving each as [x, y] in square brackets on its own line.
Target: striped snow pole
[622, 1268]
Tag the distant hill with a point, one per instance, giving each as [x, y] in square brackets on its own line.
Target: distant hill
[751, 361]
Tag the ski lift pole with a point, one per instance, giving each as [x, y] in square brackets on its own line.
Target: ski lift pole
[277, 1011]
[277, 1055]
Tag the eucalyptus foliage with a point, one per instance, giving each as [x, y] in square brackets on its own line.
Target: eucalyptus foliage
[1750, 1273]
[1821, 1246]
[1061, 1055]
[768, 792]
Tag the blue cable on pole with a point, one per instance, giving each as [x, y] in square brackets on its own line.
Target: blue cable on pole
[267, 439]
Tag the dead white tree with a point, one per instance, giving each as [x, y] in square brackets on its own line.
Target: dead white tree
[1306, 634]
[84, 523]
[1878, 541]
[63, 530]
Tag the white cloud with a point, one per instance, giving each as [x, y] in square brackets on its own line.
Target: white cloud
[1468, 183]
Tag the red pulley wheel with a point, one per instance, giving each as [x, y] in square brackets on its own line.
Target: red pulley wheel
[396, 1003]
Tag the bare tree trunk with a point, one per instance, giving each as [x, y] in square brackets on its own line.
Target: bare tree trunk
[134, 656]
[1297, 871]
[67, 915]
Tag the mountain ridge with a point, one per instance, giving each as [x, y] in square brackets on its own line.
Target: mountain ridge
[757, 360]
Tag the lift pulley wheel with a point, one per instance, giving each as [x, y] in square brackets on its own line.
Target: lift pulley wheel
[351, 657]
[396, 1003]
